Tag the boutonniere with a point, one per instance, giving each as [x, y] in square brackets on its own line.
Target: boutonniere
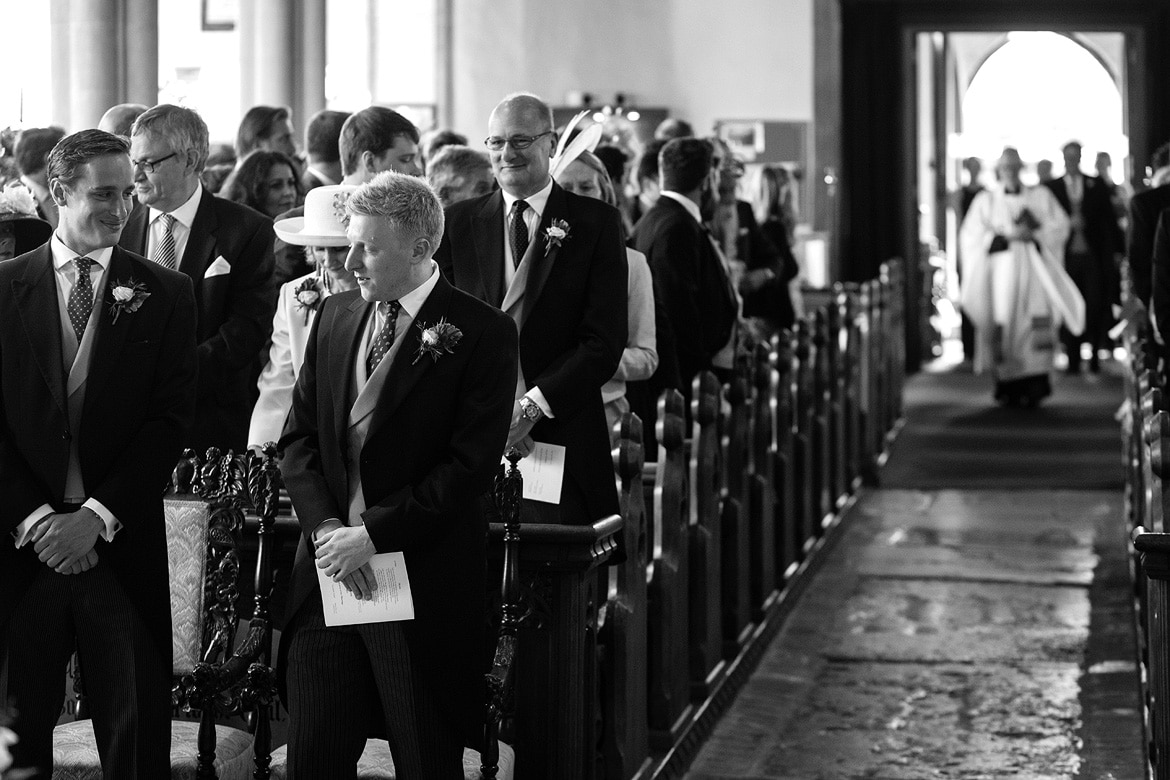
[437, 340]
[308, 296]
[555, 235]
[126, 297]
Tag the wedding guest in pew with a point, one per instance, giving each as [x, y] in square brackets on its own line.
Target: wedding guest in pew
[266, 127]
[399, 416]
[31, 151]
[458, 173]
[264, 181]
[120, 118]
[86, 445]
[645, 181]
[434, 141]
[554, 261]
[226, 250]
[696, 287]
[21, 230]
[321, 233]
[322, 149]
[1144, 210]
[579, 171]
[777, 298]
[1016, 290]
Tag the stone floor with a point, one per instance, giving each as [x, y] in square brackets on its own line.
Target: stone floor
[948, 636]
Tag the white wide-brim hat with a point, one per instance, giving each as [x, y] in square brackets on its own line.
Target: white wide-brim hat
[325, 218]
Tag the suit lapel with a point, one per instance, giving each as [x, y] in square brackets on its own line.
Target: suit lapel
[134, 234]
[344, 337]
[109, 337]
[201, 242]
[540, 262]
[36, 302]
[405, 370]
[488, 243]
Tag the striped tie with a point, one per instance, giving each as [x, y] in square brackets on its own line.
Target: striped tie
[164, 253]
[385, 338]
[81, 297]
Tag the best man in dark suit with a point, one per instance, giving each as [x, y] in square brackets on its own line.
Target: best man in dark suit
[1089, 254]
[97, 372]
[226, 249]
[694, 282]
[388, 447]
[555, 263]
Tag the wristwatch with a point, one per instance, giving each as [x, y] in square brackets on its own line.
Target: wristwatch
[530, 409]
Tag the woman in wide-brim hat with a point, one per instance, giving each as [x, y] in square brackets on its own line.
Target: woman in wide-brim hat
[21, 230]
[322, 232]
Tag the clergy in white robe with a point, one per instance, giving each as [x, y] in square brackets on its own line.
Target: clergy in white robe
[1015, 289]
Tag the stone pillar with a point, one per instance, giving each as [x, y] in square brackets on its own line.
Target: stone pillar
[311, 91]
[94, 73]
[59, 61]
[141, 43]
[272, 47]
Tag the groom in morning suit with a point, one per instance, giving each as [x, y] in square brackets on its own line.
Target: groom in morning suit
[93, 409]
[226, 249]
[566, 295]
[392, 439]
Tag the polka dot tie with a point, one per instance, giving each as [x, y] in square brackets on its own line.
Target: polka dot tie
[164, 253]
[519, 232]
[385, 338]
[81, 297]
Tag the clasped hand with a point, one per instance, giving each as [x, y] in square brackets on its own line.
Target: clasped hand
[65, 542]
[518, 437]
[344, 554]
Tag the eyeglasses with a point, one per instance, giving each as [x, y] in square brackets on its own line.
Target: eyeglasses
[495, 143]
[150, 165]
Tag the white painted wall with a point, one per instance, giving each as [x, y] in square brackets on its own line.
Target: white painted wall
[702, 61]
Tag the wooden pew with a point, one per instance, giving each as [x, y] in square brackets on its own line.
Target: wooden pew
[766, 520]
[803, 435]
[784, 482]
[733, 466]
[824, 503]
[706, 587]
[668, 665]
[1154, 549]
[623, 631]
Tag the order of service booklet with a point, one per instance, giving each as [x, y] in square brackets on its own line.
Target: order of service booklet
[392, 599]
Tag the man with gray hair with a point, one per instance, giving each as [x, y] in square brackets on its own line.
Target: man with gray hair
[226, 249]
[398, 419]
[457, 173]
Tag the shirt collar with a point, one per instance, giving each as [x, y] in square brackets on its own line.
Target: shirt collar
[321, 175]
[536, 201]
[688, 204]
[63, 255]
[413, 301]
[185, 214]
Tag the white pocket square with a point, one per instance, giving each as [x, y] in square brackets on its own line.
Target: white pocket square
[220, 267]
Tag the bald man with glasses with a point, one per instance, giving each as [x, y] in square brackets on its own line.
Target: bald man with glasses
[555, 263]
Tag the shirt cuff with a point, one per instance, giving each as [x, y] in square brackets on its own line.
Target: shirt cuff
[539, 399]
[22, 531]
[99, 509]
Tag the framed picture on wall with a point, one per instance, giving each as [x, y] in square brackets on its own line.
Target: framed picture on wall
[220, 14]
[746, 139]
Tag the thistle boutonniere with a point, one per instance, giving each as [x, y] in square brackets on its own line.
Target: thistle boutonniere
[437, 340]
[308, 296]
[556, 234]
[126, 297]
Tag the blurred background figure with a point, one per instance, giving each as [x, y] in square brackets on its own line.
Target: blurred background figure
[961, 202]
[266, 127]
[1118, 193]
[669, 129]
[265, 181]
[458, 173]
[32, 149]
[645, 184]
[1044, 171]
[770, 290]
[433, 141]
[120, 118]
[322, 149]
[21, 230]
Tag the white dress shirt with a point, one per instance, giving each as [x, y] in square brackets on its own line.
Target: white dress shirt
[411, 303]
[184, 217]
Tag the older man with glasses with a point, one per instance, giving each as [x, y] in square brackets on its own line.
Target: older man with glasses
[226, 249]
[553, 261]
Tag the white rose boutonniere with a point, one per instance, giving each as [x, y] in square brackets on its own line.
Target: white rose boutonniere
[437, 340]
[126, 297]
[308, 296]
[556, 234]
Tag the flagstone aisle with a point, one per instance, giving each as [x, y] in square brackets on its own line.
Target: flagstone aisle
[978, 632]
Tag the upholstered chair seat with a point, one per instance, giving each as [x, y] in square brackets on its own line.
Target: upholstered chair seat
[75, 755]
[377, 764]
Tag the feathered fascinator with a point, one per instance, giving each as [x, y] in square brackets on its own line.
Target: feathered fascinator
[567, 151]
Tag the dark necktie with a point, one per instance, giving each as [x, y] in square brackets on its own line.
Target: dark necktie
[164, 253]
[385, 338]
[519, 232]
[81, 297]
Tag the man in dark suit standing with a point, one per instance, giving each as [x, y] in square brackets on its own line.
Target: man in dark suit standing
[399, 417]
[226, 250]
[1145, 208]
[692, 277]
[555, 263]
[321, 149]
[1089, 254]
[97, 371]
